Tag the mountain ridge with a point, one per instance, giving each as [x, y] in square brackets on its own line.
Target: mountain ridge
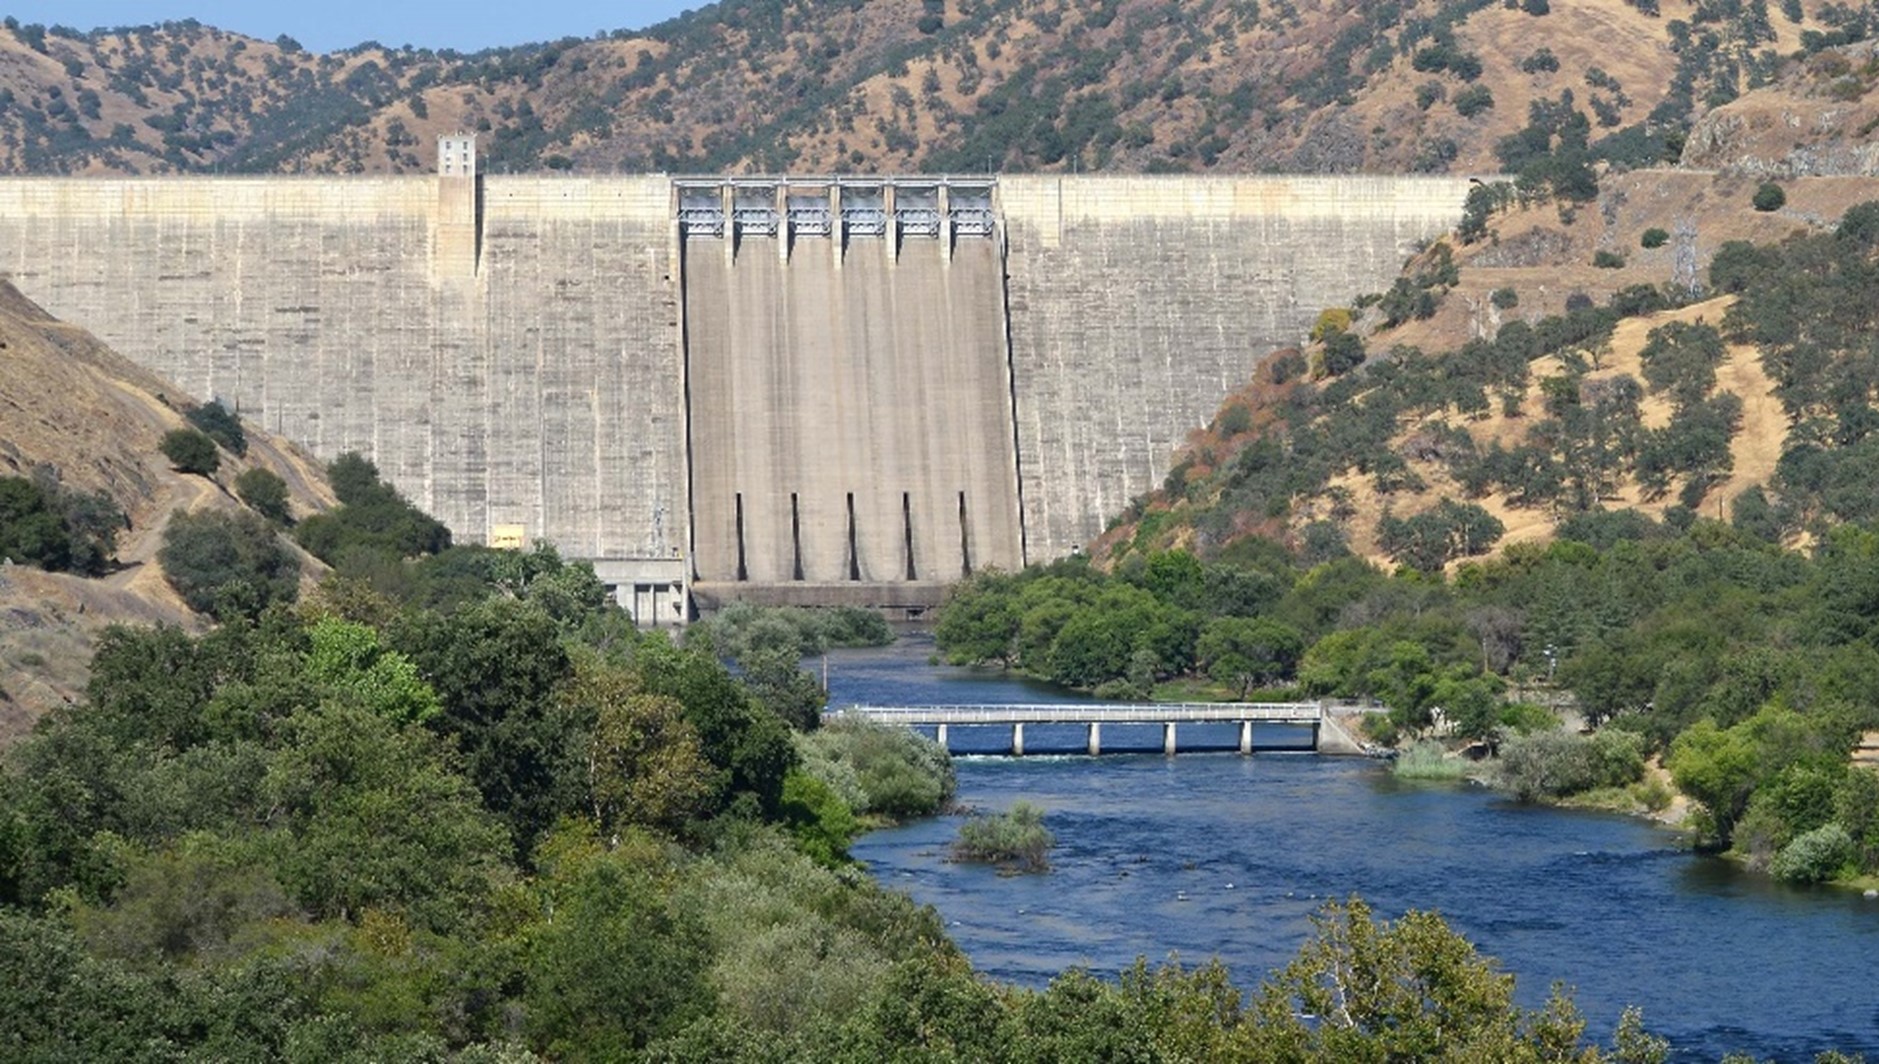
[898, 85]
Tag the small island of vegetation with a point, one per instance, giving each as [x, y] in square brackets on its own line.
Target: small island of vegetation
[1015, 839]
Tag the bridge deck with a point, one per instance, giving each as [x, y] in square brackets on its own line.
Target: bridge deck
[1108, 713]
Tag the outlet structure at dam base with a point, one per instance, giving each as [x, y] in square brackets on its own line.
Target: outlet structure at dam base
[789, 390]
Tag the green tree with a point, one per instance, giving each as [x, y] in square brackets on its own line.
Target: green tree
[190, 451]
[227, 565]
[979, 622]
[30, 530]
[367, 814]
[1361, 989]
[220, 424]
[1769, 197]
[817, 818]
[1246, 652]
[644, 762]
[1717, 767]
[614, 962]
[349, 660]
[748, 745]
[264, 492]
[776, 680]
[496, 665]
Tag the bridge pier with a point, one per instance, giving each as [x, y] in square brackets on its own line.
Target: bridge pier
[1096, 738]
[1246, 738]
[941, 738]
[1017, 740]
[1167, 738]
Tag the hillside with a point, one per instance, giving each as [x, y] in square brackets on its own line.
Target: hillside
[1532, 390]
[840, 86]
[72, 406]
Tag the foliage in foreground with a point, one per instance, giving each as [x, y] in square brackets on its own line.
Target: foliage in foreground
[509, 828]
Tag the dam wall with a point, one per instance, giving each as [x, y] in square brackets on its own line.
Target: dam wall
[796, 415]
[506, 352]
[1138, 304]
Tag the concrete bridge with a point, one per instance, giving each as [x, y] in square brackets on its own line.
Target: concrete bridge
[785, 389]
[1170, 715]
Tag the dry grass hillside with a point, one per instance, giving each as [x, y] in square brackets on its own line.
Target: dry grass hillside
[1754, 449]
[883, 85]
[68, 402]
[1536, 263]
[1545, 253]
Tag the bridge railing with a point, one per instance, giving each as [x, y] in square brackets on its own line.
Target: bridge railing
[1075, 713]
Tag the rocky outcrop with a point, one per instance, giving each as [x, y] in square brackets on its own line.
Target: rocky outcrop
[1823, 121]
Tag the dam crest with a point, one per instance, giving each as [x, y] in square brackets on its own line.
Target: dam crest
[810, 390]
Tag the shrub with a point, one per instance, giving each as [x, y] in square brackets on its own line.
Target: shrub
[1654, 238]
[1235, 420]
[1505, 298]
[879, 769]
[1769, 197]
[1343, 352]
[1015, 838]
[227, 565]
[44, 524]
[1525, 718]
[30, 532]
[1814, 856]
[191, 451]
[1558, 764]
[221, 425]
[818, 819]
[1541, 61]
[264, 492]
[1473, 100]
[373, 520]
[1286, 366]
[1608, 260]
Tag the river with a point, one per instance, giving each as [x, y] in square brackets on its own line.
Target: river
[1207, 854]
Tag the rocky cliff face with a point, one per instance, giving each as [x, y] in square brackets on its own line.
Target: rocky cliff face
[1820, 120]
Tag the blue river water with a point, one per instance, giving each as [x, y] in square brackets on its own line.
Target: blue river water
[1214, 855]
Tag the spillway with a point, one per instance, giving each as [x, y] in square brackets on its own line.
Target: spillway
[851, 428]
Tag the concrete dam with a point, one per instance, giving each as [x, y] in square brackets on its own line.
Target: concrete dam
[787, 390]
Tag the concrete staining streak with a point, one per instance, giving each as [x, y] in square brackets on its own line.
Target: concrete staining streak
[513, 351]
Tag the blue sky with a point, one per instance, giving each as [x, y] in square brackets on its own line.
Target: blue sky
[324, 25]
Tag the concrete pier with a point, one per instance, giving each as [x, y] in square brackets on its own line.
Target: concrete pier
[1017, 740]
[1096, 738]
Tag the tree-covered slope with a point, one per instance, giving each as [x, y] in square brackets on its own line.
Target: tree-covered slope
[1572, 358]
[884, 85]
